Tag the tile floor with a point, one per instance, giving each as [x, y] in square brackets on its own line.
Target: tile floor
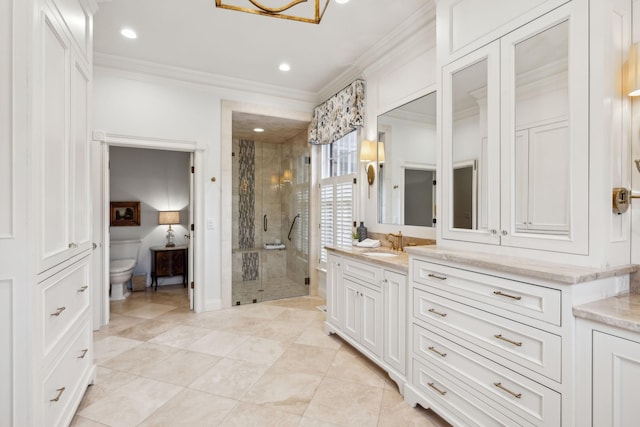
[267, 364]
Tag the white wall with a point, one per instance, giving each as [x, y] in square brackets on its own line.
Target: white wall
[137, 105]
[159, 180]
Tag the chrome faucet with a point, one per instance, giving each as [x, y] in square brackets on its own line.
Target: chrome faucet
[397, 244]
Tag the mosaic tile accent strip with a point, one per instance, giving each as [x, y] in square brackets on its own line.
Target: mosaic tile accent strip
[247, 192]
[250, 266]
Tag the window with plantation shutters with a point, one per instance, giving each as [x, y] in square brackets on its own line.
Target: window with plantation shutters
[339, 161]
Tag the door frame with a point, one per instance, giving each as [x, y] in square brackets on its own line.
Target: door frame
[100, 158]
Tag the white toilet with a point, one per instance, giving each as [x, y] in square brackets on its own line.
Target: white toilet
[124, 255]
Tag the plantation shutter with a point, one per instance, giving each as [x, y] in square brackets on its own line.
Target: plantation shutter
[336, 215]
[344, 214]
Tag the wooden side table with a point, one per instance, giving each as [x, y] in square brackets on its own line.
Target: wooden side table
[168, 262]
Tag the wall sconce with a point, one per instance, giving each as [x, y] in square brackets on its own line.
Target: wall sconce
[287, 176]
[169, 218]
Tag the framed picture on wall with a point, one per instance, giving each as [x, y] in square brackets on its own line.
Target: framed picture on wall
[125, 214]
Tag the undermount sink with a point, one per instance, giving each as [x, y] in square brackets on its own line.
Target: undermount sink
[381, 254]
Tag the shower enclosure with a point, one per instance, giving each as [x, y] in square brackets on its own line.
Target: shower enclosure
[270, 220]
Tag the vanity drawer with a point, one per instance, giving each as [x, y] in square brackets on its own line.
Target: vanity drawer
[60, 388]
[65, 297]
[440, 391]
[532, 348]
[529, 300]
[528, 399]
[360, 270]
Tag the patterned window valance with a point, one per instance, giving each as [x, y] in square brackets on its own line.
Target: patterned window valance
[338, 115]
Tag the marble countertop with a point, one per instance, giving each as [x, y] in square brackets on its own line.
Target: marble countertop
[560, 273]
[398, 262]
[622, 311]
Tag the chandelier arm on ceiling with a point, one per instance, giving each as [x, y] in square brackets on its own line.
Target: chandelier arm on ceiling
[278, 9]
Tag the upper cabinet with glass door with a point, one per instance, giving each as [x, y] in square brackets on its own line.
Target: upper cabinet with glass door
[515, 138]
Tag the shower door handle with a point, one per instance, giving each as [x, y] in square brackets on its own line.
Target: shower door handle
[264, 221]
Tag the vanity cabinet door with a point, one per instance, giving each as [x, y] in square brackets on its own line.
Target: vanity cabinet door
[334, 291]
[394, 287]
[363, 315]
[616, 375]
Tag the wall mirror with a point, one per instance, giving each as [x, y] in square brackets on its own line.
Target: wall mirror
[406, 163]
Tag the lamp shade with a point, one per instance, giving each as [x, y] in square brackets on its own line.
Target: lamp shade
[634, 70]
[368, 151]
[168, 217]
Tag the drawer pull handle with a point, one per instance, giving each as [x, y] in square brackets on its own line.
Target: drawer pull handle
[433, 349]
[507, 295]
[59, 311]
[500, 337]
[60, 391]
[84, 353]
[501, 387]
[435, 276]
[433, 310]
[84, 288]
[442, 393]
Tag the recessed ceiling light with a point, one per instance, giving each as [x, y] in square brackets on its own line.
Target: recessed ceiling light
[258, 130]
[284, 67]
[128, 33]
[342, 1]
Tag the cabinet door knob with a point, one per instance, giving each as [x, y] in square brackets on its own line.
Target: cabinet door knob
[493, 231]
[504, 232]
[83, 288]
[84, 353]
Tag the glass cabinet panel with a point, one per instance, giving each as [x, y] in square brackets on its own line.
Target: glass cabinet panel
[469, 129]
[471, 147]
[541, 134]
[544, 114]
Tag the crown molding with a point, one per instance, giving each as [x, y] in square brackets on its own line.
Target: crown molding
[407, 38]
[139, 69]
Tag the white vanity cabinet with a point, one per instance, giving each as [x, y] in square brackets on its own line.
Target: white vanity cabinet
[513, 130]
[366, 306]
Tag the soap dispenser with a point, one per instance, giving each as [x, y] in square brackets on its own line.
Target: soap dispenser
[362, 231]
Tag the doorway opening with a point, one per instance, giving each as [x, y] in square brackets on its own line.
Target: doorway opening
[142, 184]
